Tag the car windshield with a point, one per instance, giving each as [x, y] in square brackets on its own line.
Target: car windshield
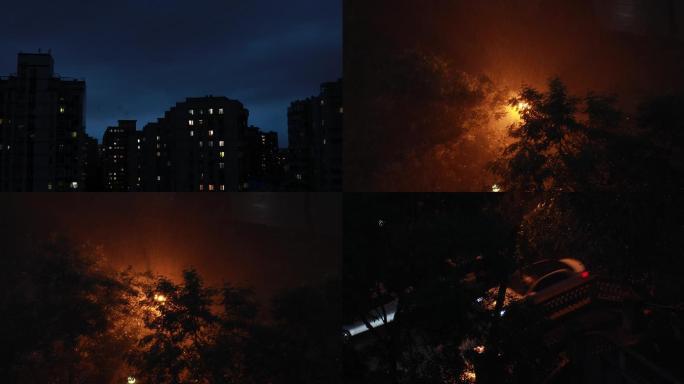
[522, 281]
[550, 280]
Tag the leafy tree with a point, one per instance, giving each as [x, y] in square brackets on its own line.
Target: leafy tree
[56, 302]
[182, 326]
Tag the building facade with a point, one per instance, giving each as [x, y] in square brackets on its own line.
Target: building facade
[122, 158]
[42, 128]
[315, 140]
[196, 146]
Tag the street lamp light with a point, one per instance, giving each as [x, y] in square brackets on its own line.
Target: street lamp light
[131, 380]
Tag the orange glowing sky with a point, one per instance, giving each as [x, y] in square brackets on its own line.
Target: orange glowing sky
[267, 241]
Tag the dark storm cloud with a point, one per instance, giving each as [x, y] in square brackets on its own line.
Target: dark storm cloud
[141, 57]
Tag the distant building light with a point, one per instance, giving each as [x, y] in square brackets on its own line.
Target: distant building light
[221, 143]
[138, 141]
[211, 187]
[299, 176]
[191, 122]
[49, 186]
[211, 133]
[74, 185]
[341, 110]
[222, 154]
[158, 154]
[220, 111]
[325, 141]
[496, 188]
[222, 165]
[201, 187]
[158, 138]
[223, 187]
[61, 109]
[131, 380]
[74, 134]
[211, 111]
[192, 111]
[192, 133]
[158, 178]
[503, 312]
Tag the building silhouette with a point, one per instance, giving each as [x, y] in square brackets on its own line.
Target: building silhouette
[42, 130]
[315, 135]
[122, 157]
[196, 146]
[261, 169]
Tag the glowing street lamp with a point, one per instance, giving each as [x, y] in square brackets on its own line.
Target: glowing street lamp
[131, 380]
[159, 298]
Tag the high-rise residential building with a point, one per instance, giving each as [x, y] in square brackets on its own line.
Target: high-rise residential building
[42, 128]
[259, 168]
[122, 157]
[196, 146]
[92, 170]
[315, 140]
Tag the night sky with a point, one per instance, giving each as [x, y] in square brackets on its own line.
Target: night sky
[268, 241]
[140, 57]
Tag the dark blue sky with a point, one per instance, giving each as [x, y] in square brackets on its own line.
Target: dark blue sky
[140, 57]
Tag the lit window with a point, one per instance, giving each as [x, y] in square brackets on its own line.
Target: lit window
[211, 133]
[211, 111]
[74, 135]
[138, 147]
[201, 187]
[201, 143]
[299, 176]
[49, 186]
[192, 111]
[138, 141]
[158, 138]
[201, 122]
[158, 178]
[191, 122]
[221, 143]
[322, 102]
[74, 185]
[211, 187]
[223, 187]
[222, 165]
[222, 154]
[192, 133]
[61, 109]
[158, 154]
[220, 111]
[325, 141]
[341, 110]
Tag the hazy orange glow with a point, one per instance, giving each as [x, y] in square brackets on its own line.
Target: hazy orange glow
[160, 298]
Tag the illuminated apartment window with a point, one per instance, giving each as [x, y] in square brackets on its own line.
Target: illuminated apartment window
[61, 109]
[158, 154]
[211, 187]
[201, 187]
[322, 102]
[222, 165]
[220, 111]
[192, 133]
[211, 133]
[192, 111]
[74, 134]
[222, 154]
[299, 176]
[341, 110]
[223, 187]
[138, 141]
[74, 185]
[221, 143]
[158, 178]
[201, 143]
[49, 186]
[211, 111]
[138, 147]
[201, 122]
[158, 138]
[191, 122]
[325, 141]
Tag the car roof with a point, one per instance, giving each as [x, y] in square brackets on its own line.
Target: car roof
[523, 279]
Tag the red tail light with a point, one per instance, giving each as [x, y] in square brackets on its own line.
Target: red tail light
[585, 274]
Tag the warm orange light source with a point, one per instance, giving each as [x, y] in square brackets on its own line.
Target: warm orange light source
[496, 188]
[585, 274]
[160, 298]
